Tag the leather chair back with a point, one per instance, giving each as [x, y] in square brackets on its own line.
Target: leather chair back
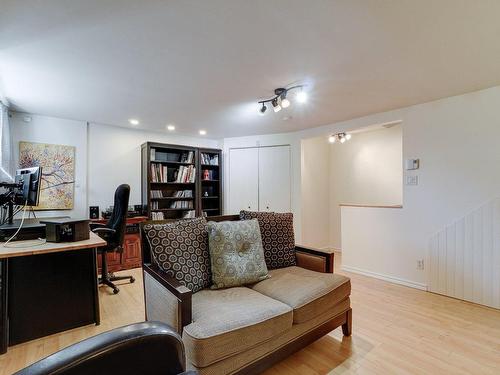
[118, 219]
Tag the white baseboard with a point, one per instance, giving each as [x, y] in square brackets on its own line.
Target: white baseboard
[391, 279]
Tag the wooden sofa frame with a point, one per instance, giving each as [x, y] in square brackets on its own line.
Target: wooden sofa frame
[309, 258]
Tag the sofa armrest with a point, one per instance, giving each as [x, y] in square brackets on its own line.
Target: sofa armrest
[315, 259]
[166, 299]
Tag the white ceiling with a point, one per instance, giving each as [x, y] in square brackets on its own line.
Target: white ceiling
[204, 64]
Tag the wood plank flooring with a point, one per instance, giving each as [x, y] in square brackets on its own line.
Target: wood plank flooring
[396, 330]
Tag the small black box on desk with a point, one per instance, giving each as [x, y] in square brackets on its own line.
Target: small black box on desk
[66, 230]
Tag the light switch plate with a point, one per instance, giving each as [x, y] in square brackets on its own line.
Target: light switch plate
[412, 180]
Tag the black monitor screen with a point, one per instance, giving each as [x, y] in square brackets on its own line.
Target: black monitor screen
[31, 180]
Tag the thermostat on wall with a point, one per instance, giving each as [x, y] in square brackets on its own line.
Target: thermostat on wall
[411, 164]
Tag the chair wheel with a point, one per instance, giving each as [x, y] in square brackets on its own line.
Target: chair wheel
[132, 280]
[115, 291]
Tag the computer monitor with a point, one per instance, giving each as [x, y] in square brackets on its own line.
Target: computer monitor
[31, 179]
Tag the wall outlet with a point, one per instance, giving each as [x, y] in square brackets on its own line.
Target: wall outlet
[412, 180]
[420, 264]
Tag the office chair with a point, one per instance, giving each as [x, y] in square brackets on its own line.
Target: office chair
[113, 232]
[149, 348]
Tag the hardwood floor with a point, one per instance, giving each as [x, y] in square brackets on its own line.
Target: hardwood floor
[396, 330]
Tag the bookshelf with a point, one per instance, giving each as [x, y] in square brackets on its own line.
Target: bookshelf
[180, 181]
[211, 181]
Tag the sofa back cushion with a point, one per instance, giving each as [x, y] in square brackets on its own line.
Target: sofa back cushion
[181, 250]
[278, 237]
[236, 253]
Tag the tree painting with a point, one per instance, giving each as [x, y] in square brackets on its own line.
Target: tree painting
[58, 173]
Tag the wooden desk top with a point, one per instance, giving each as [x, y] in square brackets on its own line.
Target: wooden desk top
[24, 248]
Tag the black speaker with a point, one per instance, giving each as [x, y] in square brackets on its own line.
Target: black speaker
[94, 212]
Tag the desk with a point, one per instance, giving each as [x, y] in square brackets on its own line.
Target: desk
[47, 288]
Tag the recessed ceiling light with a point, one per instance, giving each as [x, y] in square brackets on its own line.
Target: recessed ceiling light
[133, 121]
[170, 127]
[203, 132]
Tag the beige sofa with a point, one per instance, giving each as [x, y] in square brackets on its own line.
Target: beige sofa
[245, 330]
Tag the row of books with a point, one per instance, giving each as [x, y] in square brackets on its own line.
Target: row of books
[185, 174]
[157, 216]
[161, 173]
[176, 194]
[209, 159]
[184, 157]
[182, 204]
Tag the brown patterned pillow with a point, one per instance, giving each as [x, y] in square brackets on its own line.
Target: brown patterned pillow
[276, 230]
[181, 250]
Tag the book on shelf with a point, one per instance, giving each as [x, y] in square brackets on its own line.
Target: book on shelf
[174, 157]
[209, 159]
[182, 204]
[183, 194]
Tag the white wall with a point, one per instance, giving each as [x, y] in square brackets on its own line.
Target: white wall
[115, 158]
[456, 140]
[106, 156]
[366, 170]
[315, 191]
[44, 129]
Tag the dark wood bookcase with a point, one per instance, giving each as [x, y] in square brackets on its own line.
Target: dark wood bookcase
[168, 193]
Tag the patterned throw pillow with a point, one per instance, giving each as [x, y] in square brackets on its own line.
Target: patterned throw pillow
[278, 238]
[236, 253]
[181, 250]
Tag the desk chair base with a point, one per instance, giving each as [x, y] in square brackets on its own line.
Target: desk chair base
[108, 280]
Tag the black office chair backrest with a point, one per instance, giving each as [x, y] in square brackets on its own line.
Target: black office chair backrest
[118, 219]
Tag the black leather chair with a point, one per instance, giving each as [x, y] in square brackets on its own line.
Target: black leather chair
[113, 232]
[149, 348]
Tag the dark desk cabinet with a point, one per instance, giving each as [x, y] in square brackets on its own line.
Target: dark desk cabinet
[131, 256]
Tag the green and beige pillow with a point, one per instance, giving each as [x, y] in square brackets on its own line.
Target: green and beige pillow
[236, 253]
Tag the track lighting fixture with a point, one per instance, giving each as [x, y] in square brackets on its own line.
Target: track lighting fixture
[276, 105]
[341, 137]
[280, 100]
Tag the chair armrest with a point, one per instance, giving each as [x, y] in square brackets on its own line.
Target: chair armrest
[315, 259]
[125, 350]
[96, 225]
[179, 291]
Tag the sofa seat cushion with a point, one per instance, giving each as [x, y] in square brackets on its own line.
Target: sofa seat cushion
[229, 321]
[309, 293]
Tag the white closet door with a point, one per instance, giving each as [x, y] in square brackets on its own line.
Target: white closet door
[243, 180]
[274, 179]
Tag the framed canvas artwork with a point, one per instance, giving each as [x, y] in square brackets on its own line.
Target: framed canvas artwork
[58, 173]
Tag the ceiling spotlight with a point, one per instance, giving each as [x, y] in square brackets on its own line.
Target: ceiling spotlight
[332, 139]
[342, 140]
[279, 100]
[263, 109]
[171, 127]
[276, 105]
[203, 132]
[301, 96]
[133, 121]
[347, 136]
